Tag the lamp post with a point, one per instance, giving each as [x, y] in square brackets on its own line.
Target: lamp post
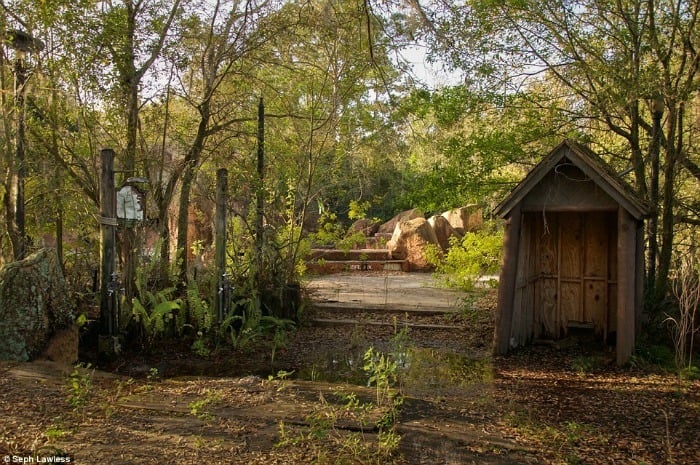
[23, 44]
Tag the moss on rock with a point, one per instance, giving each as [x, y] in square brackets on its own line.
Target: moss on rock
[34, 305]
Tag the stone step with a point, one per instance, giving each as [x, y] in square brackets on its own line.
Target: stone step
[354, 254]
[323, 266]
[375, 242]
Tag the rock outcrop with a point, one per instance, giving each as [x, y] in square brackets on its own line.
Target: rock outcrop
[390, 226]
[465, 219]
[410, 241]
[34, 305]
[365, 226]
[443, 231]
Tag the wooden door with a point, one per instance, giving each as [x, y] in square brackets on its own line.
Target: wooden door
[575, 279]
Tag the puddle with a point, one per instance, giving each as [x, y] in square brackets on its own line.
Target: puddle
[337, 367]
[421, 371]
[431, 372]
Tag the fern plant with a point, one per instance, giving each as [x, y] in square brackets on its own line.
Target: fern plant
[153, 311]
[201, 314]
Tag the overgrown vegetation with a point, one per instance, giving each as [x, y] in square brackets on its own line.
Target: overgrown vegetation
[79, 387]
[342, 428]
[684, 325]
[469, 259]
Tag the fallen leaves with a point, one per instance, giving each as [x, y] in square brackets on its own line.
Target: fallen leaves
[537, 406]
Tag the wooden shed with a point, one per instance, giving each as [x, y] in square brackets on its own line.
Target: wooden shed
[573, 254]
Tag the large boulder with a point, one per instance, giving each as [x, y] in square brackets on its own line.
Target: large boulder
[34, 305]
[368, 227]
[410, 241]
[443, 231]
[465, 219]
[390, 226]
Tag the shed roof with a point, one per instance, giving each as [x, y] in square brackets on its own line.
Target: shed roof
[591, 165]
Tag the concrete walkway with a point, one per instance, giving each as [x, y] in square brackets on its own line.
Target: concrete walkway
[410, 291]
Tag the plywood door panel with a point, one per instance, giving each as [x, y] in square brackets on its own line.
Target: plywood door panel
[596, 245]
[546, 295]
[596, 252]
[596, 304]
[612, 307]
[546, 227]
[571, 246]
[528, 298]
[570, 304]
[574, 267]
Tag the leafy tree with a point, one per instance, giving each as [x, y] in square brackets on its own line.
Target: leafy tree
[471, 147]
[629, 68]
[218, 49]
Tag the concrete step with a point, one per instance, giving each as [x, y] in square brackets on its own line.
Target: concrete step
[322, 266]
[324, 322]
[359, 307]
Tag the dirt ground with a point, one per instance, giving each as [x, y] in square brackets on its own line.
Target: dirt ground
[563, 404]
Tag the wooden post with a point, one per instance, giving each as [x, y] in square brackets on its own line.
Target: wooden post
[639, 277]
[506, 285]
[220, 239]
[108, 225]
[626, 285]
[22, 238]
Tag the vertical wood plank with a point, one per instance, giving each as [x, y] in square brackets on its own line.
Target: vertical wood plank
[639, 275]
[506, 288]
[596, 245]
[571, 248]
[612, 276]
[548, 308]
[596, 303]
[595, 288]
[570, 305]
[529, 299]
[626, 285]
[519, 329]
[571, 245]
[546, 270]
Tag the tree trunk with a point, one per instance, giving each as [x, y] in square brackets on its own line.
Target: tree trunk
[260, 198]
[653, 224]
[673, 147]
[191, 164]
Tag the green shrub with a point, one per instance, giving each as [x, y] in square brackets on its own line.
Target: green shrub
[475, 255]
[330, 231]
[79, 386]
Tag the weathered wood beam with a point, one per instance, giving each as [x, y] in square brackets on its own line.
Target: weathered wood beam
[626, 287]
[506, 287]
